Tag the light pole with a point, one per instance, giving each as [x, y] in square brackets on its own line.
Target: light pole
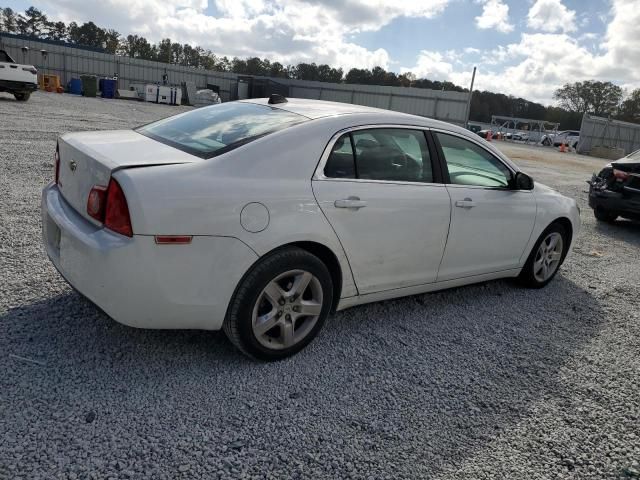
[468, 112]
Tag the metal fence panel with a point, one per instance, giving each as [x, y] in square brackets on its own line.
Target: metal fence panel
[603, 132]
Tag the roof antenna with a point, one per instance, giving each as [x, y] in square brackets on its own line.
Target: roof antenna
[276, 98]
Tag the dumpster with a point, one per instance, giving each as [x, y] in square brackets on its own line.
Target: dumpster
[89, 85]
[75, 86]
[109, 87]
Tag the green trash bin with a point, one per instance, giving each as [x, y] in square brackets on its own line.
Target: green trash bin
[89, 85]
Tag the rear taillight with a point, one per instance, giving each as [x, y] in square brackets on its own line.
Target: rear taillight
[97, 203]
[620, 175]
[57, 162]
[108, 205]
[117, 215]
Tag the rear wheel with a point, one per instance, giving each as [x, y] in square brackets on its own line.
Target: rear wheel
[604, 215]
[280, 306]
[546, 142]
[22, 96]
[546, 257]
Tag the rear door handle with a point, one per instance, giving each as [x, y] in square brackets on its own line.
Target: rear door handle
[466, 203]
[351, 202]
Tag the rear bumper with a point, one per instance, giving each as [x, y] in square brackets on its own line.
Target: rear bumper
[18, 86]
[626, 204]
[137, 282]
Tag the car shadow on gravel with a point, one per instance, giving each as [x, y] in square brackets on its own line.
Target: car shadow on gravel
[420, 382]
[622, 229]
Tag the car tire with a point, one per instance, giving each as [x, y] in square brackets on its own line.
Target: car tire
[22, 96]
[546, 142]
[534, 274]
[264, 327]
[603, 215]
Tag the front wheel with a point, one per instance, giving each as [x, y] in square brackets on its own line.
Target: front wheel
[546, 257]
[22, 96]
[280, 305]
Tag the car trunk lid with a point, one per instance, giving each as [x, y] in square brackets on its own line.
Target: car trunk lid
[88, 159]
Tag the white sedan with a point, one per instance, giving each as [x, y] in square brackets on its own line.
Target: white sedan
[263, 216]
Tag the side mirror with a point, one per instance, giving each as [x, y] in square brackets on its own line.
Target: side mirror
[523, 181]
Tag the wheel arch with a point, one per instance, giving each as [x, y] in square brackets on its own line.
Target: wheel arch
[568, 226]
[328, 257]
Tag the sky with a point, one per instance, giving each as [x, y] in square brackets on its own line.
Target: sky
[525, 48]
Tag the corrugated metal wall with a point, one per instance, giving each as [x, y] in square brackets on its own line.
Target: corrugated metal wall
[71, 62]
[603, 132]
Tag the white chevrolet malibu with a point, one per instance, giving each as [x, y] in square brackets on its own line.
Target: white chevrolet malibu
[263, 216]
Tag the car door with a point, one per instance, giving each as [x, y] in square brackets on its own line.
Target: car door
[381, 190]
[491, 222]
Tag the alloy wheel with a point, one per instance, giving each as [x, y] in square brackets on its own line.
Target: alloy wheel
[548, 257]
[287, 309]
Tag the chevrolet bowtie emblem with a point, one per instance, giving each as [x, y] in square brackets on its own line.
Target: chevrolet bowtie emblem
[73, 165]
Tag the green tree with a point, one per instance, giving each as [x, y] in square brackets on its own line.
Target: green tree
[164, 50]
[590, 96]
[135, 46]
[8, 20]
[57, 31]
[630, 108]
[88, 34]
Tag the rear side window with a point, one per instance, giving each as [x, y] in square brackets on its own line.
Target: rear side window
[391, 154]
[341, 162]
[210, 131]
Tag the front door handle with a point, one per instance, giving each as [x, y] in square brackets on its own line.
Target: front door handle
[351, 202]
[466, 203]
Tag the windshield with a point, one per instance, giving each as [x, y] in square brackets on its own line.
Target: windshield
[210, 131]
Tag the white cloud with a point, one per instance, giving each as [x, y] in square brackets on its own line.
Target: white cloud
[495, 15]
[551, 16]
[431, 65]
[288, 31]
[540, 63]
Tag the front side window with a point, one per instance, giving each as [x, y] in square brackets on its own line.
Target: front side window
[210, 131]
[391, 154]
[469, 164]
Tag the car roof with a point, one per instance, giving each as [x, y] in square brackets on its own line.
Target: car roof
[316, 109]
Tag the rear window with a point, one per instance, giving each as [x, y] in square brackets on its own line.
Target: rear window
[210, 131]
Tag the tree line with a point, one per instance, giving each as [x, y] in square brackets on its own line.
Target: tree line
[599, 98]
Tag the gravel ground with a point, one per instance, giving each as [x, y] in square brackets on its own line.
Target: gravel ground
[487, 381]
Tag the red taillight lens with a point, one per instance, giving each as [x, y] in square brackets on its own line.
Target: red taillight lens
[97, 202]
[57, 162]
[117, 212]
[620, 175]
[108, 205]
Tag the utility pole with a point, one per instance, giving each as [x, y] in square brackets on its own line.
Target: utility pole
[466, 121]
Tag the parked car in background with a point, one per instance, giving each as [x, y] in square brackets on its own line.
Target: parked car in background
[520, 136]
[261, 217]
[483, 133]
[615, 191]
[18, 80]
[566, 137]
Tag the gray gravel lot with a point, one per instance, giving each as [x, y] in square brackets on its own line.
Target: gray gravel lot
[488, 381]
